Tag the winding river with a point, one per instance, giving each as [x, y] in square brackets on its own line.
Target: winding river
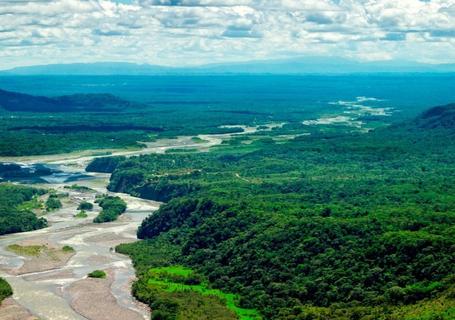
[60, 290]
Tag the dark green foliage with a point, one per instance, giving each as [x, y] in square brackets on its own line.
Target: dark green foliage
[68, 249]
[311, 226]
[13, 219]
[79, 188]
[84, 205]
[100, 274]
[172, 106]
[13, 171]
[33, 142]
[53, 203]
[177, 214]
[159, 188]
[438, 117]
[160, 252]
[113, 207]
[104, 164]
[5, 290]
[13, 101]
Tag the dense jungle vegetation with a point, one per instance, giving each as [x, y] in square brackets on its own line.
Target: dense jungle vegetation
[15, 211]
[66, 114]
[112, 207]
[332, 225]
[62, 114]
[99, 121]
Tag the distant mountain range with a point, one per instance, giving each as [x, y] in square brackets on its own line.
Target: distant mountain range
[308, 65]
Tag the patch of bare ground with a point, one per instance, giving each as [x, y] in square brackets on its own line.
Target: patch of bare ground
[52, 275]
[111, 239]
[92, 298]
[11, 310]
[49, 260]
[43, 259]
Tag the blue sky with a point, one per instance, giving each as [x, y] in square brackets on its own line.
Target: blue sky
[190, 32]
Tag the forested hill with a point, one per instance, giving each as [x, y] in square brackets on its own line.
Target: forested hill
[438, 117]
[331, 225]
[19, 102]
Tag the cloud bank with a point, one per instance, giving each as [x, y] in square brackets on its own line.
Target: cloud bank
[189, 32]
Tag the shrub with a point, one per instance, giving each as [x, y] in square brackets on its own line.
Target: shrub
[53, 203]
[99, 274]
[81, 215]
[84, 205]
[68, 249]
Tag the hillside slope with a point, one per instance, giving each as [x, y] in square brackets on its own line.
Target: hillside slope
[325, 226]
[438, 117]
[19, 102]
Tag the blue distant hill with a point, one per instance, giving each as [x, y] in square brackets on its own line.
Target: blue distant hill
[19, 102]
[307, 65]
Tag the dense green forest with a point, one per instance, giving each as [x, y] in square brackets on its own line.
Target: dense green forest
[37, 125]
[99, 121]
[112, 207]
[336, 224]
[61, 114]
[15, 214]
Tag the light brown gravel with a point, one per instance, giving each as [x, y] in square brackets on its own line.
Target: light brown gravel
[92, 299]
[11, 310]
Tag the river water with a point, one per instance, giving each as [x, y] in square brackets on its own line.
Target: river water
[47, 294]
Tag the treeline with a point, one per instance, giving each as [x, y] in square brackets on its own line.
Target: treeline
[102, 121]
[112, 207]
[104, 164]
[334, 225]
[33, 142]
[14, 219]
[19, 102]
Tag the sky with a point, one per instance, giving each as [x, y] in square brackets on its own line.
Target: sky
[192, 32]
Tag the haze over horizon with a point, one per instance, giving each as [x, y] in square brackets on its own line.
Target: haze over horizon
[196, 32]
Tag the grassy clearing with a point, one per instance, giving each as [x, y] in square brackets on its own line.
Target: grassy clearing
[37, 250]
[178, 279]
[33, 251]
[33, 204]
[81, 215]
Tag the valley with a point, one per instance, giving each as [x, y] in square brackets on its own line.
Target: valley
[341, 209]
[227, 160]
[55, 287]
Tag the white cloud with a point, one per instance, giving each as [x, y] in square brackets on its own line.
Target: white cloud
[180, 32]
